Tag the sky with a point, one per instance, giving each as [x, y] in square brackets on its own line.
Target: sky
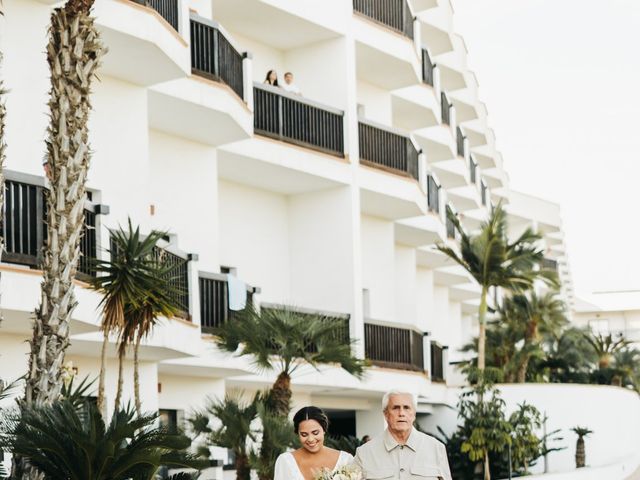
[561, 81]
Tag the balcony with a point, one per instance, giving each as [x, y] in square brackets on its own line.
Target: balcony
[452, 232]
[23, 227]
[177, 277]
[390, 151]
[393, 14]
[437, 362]
[394, 347]
[433, 195]
[145, 46]
[427, 68]
[445, 106]
[549, 264]
[473, 170]
[213, 289]
[460, 138]
[209, 103]
[167, 9]
[292, 119]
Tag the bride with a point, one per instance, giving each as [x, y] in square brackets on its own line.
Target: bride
[310, 424]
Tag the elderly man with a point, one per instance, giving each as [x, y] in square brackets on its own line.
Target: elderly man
[401, 452]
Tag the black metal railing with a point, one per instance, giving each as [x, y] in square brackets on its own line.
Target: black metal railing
[177, 278]
[24, 230]
[433, 195]
[451, 227]
[473, 170]
[483, 192]
[393, 347]
[213, 56]
[168, 9]
[23, 223]
[427, 68]
[395, 14]
[445, 106]
[292, 119]
[549, 264]
[437, 362]
[460, 142]
[214, 300]
[390, 150]
[88, 246]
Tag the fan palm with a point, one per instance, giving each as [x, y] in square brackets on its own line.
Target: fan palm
[135, 292]
[627, 361]
[569, 357]
[234, 417]
[493, 261]
[61, 440]
[605, 347]
[284, 339]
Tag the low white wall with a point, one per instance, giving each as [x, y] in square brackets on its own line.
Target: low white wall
[626, 470]
[612, 413]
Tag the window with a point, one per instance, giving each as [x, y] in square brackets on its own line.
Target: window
[172, 420]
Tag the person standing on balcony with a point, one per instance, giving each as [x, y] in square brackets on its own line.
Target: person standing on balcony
[289, 84]
[272, 78]
[402, 452]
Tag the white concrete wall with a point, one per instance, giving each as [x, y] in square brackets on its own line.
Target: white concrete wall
[183, 187]
[378, 266]
[188, 393]
[405, 285]
[254, 238]
[320, 248]
[376, 102]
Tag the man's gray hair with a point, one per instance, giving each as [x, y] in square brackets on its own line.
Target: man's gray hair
[390, 393]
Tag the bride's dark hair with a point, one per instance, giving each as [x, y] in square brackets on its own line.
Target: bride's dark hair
[311, 413]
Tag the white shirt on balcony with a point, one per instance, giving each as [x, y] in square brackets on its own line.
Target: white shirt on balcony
[291, 88]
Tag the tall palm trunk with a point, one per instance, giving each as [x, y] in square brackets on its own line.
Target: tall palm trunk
[487, 471]
[136, 374]
[243, 469]
[121, 355]
[482, 334]
[103, 372]
[73, 54]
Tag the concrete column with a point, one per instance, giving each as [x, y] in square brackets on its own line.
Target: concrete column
[247, 79]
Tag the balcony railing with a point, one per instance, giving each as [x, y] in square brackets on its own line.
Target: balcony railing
[23, 228]
[437, 362]
[214, 300]
[383, 148]
[549, 264]
[213, 56]
[168, 9]
[292, 119]
[445, 106]
[177, 278]
[451, 227]
[473, 170]
[393, 347]
[483, 192]
[395, 14]
[427, 68]
[433, 195]
[460, 142]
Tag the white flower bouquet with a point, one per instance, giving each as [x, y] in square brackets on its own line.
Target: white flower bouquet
[346, 472]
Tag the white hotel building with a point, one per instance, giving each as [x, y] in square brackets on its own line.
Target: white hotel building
[331, 201]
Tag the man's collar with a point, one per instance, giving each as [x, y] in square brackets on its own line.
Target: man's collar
[390, 442]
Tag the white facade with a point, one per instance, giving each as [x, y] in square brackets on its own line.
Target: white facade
[311, 216]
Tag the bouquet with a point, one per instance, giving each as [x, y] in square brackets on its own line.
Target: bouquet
[346, 472]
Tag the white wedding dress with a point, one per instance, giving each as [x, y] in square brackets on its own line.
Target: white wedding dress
[287, 468]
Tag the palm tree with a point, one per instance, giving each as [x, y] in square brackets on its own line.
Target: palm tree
[538, 314]
[71, 441]
[494, 261]
[568, 357]
[234, 417]
[627, 362]
[73, 53]
[582, 432]
[284, 340]
[135, 292]
[158, 301]
[3, 114]
[605, 346]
